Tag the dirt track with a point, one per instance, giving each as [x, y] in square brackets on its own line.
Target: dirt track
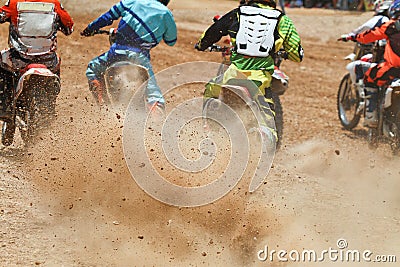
[70, 200]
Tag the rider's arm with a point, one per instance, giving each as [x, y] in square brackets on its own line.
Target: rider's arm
[170, 35]
[217, 30]
[65, 21]
[107, 18]
[291, 39]
[374, 34]
[373, 22]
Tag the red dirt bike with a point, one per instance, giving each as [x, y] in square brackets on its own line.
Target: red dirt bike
[31, 104]
[351, 101]
[229, 93]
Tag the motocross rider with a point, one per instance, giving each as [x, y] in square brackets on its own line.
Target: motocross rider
[384, 72]
[381, 8]
[32, 38]
[357, 68]
[143, 25]
[255, 62]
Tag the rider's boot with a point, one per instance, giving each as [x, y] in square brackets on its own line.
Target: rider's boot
[155, 105]
[371, 111]
[156, 110]
[97, 89]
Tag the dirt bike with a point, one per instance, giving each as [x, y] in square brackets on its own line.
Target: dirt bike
[351, 101]
[121, 78]
[31, 99]
[279, 85]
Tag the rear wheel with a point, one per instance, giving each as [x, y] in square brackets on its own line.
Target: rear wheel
[8, 132]
[348, 101]
[50, 99]
[38, 107]
[29, 115]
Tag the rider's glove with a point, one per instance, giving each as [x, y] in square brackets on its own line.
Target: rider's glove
[86, 32]
[351, 37]
[214, 47]
[197, 47]
[347, 37]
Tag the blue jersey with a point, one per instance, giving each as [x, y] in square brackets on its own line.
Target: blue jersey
[143, 24]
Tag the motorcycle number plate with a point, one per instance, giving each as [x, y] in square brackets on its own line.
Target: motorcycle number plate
[32, 6]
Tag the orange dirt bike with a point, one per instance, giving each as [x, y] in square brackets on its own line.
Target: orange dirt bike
[30, 102]
[121, 78]
[279, 85]
[351, 100]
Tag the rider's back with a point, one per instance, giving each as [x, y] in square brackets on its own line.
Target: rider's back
[34, 25]
[389, 32]
[143, 23]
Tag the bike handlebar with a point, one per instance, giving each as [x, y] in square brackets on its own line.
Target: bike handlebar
[218, 48]
[227, 49]
[107, 32]
[112, 34]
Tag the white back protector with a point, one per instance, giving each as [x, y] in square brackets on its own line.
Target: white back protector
[35, 28]
[256, 31]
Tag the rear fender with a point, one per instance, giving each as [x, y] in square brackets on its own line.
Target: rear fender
[235, 95]
[239, 99]
[34, 75]
[280, 82]
[122, 78]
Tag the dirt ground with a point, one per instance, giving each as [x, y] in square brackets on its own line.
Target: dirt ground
[71, 201]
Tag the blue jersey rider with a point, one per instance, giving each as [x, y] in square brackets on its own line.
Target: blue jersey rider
[143, 25]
